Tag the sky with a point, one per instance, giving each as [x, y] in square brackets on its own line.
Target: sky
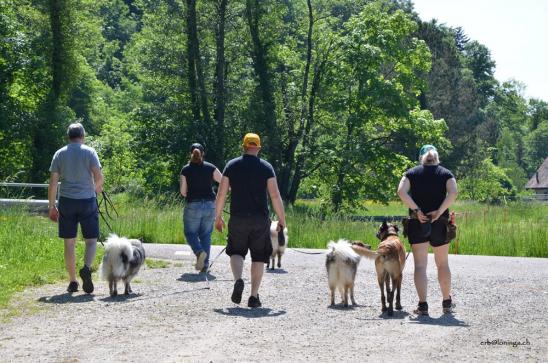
[515, 31]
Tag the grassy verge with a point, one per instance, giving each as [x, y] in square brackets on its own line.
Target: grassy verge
[30, 253]
[516, 229]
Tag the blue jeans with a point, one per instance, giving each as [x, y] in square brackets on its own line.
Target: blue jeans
[198, 218]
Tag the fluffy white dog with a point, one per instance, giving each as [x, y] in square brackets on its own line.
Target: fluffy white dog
[342, 264]
[122, 260]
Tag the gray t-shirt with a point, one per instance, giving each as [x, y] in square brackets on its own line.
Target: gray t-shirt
[73, 163]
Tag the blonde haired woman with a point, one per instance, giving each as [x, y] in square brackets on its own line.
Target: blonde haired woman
[429, 190]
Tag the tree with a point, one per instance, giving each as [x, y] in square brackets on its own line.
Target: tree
[375, 83]
[487, 183]
[536, 147]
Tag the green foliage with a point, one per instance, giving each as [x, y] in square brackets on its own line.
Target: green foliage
[536, 147]
[374, 87]
[487, 183]
[342, 92]
[115, 145]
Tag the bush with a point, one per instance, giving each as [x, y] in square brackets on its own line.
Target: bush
[488, 183]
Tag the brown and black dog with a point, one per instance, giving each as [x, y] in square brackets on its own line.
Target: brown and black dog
[389, 263]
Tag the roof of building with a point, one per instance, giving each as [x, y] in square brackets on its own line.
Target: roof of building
[540, 179]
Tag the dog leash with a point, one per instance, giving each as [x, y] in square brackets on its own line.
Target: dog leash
[306, 253]
[107, 203]
[215, 259]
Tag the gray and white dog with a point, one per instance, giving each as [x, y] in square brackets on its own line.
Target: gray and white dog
[342, 264]
[122, 260]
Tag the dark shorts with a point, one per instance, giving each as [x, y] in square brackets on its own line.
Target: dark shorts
[249, 233]
[435, 233]
[74, 211]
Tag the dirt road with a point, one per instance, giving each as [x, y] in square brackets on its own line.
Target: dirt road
[173, 318]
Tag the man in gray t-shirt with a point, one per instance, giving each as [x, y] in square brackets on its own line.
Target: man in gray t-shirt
[78, 169]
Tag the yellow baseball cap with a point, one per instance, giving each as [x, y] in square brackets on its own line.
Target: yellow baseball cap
[251, 139]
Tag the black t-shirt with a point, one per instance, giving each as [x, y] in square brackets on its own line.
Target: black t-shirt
[199, 180]
[428, 186]
[248, 177]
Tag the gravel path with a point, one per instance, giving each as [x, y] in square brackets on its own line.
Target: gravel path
[173, 318]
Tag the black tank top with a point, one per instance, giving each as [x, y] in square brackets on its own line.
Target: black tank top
[428, 186]
[199, 179]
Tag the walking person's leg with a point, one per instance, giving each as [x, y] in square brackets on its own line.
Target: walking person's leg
[68, 229]
[89, 222]
[420, 259]
[257, 270]
[191, 223]
[206, 228]
[236, 248]
[261, 249]
[90, 251]
[237, 266]
[441, 256]
[440, 246]
[70, 258]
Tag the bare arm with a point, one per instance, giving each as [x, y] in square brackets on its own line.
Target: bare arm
[52, 196]
[220, 203]
[451, 186]
[98, 178]
[183, 187]
[217, 176]
[403, 192]
[276, 199]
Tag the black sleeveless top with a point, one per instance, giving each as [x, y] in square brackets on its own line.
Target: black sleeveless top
[199, 180]
[428, 186]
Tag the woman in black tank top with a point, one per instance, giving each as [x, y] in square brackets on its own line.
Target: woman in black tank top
[429, 190]
[199, 213]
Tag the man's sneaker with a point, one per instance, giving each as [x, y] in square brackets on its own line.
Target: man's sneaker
[87, 284]
[237, 292]
[254, 302]
[204, 270]
[200, 261]
[447, 306]
[72, 287]
[422, 309]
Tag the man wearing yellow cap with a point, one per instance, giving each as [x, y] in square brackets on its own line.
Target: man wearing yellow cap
[249, 179]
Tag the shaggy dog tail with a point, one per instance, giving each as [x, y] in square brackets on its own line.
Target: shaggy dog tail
[365, 252]
[342, 250]
[118, 252]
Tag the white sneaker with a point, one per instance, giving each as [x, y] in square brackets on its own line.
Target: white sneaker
[200, 261]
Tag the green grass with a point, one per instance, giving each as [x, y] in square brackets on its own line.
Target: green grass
[31, 254]
[516, 229]
[155, 263]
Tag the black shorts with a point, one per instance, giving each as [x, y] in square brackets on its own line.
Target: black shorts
[435, 233]
[249, 233]
[74, 211]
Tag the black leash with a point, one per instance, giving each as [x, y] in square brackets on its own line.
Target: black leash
[107, 204]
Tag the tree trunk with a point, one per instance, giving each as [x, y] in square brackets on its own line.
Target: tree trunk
[220, 73]
[319, 69]
[191, 60]
[291, 164]
[337, 195]
[272, 144]
[55, 10]
[47, 132]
